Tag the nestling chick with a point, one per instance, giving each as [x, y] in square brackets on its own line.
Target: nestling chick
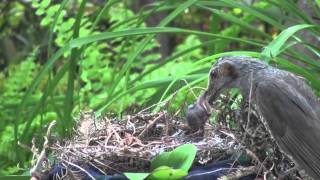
[198, 113]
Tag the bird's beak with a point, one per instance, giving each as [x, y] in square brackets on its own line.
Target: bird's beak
[203, 102]
[211, 94]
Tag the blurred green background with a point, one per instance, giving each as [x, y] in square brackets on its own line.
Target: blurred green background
[58, 58]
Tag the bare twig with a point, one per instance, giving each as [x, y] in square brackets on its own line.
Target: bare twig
[150, 125]
[80, 168]
[241, 172]
[37, 169]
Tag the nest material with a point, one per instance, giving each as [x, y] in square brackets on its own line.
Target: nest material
[256, 140]
[114, 146]
[129, 144]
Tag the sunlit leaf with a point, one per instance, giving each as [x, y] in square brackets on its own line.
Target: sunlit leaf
[167, 173]
[274, 48]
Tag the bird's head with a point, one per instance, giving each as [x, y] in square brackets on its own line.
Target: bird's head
[231, 72]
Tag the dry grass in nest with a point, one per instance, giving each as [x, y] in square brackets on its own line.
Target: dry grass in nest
[114, 146]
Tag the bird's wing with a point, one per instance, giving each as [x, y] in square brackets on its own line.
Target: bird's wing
[293, 122]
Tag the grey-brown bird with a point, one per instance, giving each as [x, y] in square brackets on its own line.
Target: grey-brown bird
[289, 108]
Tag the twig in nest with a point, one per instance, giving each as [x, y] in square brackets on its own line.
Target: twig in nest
[108, 138]
[117, 136]
[248, 120]
[37, 169]
[106, 166]
[228, 134]
[241, 172]
[167, 126]
[80, 168]
[265, 174]
[150, 125]
[255, 158]
[100, 170]
[130, 124]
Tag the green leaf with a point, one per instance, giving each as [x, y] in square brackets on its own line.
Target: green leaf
[161, 82]
[40, 11]
[180, 158]
[15, 177]
[160, 160]
[167, 173]
[274, 48]
[45, 21]
[45, 3]
[153, 30]
[52, 10]
[75, 54]
[35, 3]
[253, 11]
[141, 46]
[136, 176]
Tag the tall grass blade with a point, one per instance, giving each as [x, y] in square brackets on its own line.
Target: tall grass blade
[143, 44]
[274, 48]
[75, 54]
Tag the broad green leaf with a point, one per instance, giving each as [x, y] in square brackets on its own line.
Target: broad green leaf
[15, 177]
[180, 158]
[167, 173]
[160, 159]
[35, 3]
[40, 11]
[274, 48]
[318, 3]
[45, 3]
[45, 21]
[136, 176]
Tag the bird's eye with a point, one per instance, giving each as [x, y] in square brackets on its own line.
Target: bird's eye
[214, 74]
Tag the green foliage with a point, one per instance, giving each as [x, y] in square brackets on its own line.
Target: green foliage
[48, 12]
[14, 83]
[276, 46]
[19, 177]
[170, 165]
[180, 158]
[166, 172]
[136, 176]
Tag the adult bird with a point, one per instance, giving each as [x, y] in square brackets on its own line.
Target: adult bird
[288, 106]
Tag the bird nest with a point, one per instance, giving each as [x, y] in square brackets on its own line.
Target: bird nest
[112, 145]
[129, 144]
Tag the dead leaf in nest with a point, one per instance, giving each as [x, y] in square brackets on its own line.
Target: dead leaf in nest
[130, 140]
